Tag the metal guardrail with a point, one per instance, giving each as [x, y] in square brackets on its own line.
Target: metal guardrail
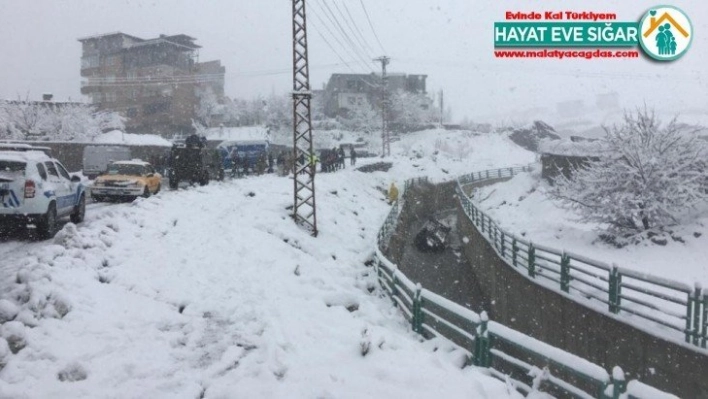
[529, 363]
[676, 306]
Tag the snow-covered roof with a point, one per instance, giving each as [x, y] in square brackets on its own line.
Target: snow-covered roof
[24, 156]
[132, 162]
[118, 137]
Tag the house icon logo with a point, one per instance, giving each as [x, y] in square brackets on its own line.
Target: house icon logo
[666, 33]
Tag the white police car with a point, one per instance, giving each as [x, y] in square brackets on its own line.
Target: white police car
[36, 189]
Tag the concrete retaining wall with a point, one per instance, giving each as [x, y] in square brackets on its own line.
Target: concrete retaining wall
[551, 317]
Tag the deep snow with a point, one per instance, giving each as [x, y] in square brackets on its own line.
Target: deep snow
[214, 292]
[522, 206]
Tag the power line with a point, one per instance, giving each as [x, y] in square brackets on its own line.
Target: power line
[353, 46]
[332, 48]
[366, 42]
[362, 46]
[372, 26]
[317, 15]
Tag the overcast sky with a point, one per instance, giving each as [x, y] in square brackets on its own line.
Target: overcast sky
[449, 40]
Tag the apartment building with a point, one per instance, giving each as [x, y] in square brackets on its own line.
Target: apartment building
[156, 84]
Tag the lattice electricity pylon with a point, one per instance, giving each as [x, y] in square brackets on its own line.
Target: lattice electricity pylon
[385, 134]
[304, 165]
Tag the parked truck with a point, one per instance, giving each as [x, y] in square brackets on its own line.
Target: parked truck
[193, 164]
[245, 152]
[97, 157]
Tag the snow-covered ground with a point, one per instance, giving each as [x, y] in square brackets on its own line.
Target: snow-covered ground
[522, 207]
[214, 292]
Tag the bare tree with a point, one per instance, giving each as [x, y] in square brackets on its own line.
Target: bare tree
[647, 179]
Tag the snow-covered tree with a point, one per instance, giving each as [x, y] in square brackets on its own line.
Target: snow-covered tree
[27, 119]
[208, 105]
[31, 120]
[361, 119]
[646, 180]
[408, 111]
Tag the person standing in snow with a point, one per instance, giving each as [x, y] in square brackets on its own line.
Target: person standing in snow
[352, 155]
[392, 194]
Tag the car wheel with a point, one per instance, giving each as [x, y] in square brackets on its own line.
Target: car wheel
[97, 198]
[47, 225]
[146, 192]
[79, 212]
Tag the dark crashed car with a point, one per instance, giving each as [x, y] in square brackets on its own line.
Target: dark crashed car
[432, 237]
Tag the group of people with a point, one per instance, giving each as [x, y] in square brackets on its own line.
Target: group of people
[282, 161]
[243, 165]
[332, 160]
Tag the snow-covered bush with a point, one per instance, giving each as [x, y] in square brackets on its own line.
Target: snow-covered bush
[649, 176]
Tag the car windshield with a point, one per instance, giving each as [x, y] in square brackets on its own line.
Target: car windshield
[126, 169]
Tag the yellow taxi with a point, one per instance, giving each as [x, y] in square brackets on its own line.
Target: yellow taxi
[126, 180]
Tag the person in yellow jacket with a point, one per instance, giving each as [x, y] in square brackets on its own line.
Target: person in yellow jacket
[392, 194]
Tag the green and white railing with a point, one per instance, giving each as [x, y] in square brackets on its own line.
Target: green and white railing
[507, 354]
[681, 309]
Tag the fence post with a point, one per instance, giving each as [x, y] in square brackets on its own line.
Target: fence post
[499, 173]
[618, 383]
[482, 356]
[511, 172]
[705, 320]
[503, 246]
[417, 318]
[532, 260]
[494, 238]
[394, 279]
[514, 250]
[615, 289]
[482, 224]
[565, 272]
[697, 313]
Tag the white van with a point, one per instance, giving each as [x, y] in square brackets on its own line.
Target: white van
[97, 157]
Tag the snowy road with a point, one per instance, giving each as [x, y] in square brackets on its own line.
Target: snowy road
[214, 292]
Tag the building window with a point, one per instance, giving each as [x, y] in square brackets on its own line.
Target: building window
[89, 61]
[154, 108]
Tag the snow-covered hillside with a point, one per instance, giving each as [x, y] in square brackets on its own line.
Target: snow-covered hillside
[523, 207]
[213, 292]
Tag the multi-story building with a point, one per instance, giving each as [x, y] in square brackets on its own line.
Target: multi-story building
[345, 92]
[156, 84]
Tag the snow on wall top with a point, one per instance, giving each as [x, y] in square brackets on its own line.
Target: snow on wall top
[118, 137]
[571, 148]
[238, 133]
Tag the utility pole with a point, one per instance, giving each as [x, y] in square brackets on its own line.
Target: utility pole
[385, 136]
[304, 166]
[442, 109]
